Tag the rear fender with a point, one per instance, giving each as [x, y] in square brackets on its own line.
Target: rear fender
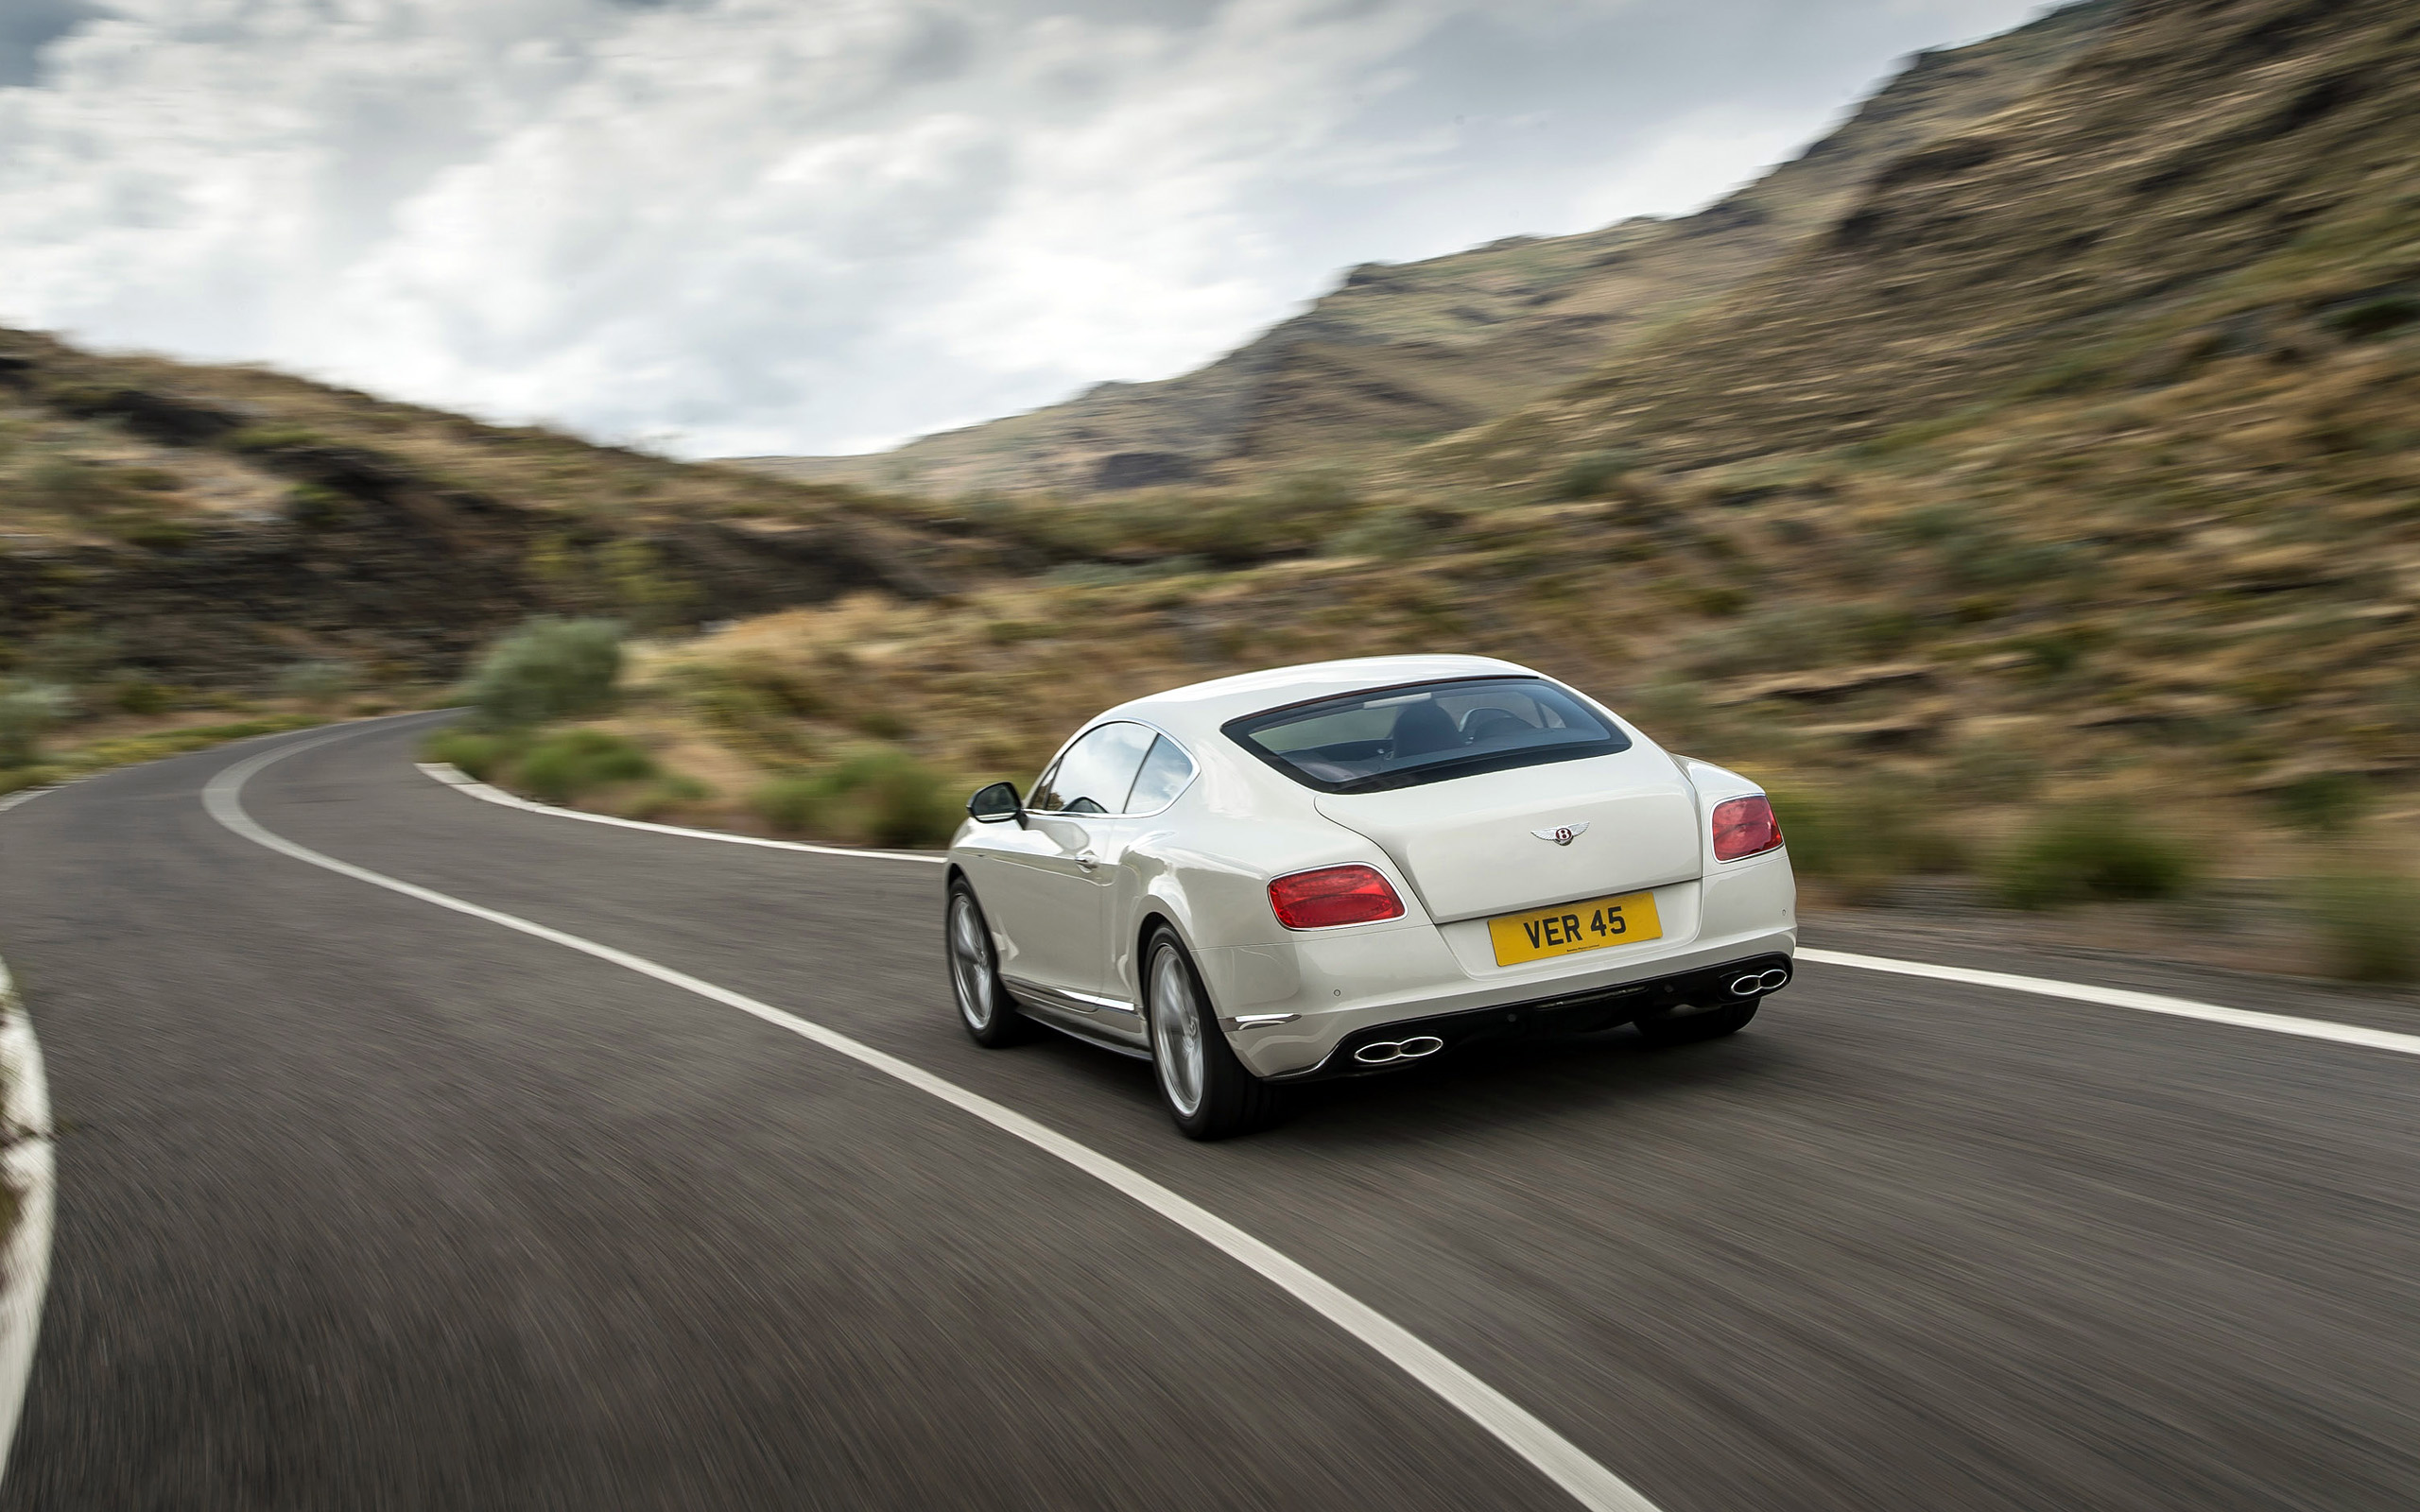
[1218, 906]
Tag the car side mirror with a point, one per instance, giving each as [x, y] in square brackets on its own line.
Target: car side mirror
[996, 804]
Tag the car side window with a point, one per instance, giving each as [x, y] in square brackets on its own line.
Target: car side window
[1096, 773]
[1166, 771]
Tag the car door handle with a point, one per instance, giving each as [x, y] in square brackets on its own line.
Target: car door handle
[1087, 860]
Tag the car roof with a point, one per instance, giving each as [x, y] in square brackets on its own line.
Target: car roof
[1195, 712]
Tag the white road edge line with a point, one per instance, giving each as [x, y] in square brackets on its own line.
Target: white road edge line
[31, 1169]
[2118, 997]
[2109, 997]
[462, 782]
[1586, 1481]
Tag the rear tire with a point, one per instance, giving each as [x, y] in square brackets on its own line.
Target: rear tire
[1667, 1029]
[985, 1010]
[1207, 1091]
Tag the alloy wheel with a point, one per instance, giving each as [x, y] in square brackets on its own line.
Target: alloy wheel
[1176, 1032]
[970, 961]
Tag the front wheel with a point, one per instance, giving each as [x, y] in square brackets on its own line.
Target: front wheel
[984, 1008]
[1205, 1088]
[1679, 1028]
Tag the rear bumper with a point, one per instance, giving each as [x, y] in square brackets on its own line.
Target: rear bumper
[1582, 1012]
[1286, 1007]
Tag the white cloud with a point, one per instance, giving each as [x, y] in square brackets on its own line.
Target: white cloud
[776, 225]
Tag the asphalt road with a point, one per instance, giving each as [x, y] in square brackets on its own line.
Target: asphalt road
[365, 1203]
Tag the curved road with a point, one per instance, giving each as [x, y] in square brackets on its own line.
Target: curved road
[365, 1203]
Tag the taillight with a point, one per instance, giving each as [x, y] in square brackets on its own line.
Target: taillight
[1744, 827]
[1334, 895]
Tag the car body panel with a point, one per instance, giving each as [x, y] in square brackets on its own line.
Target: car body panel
[1473, 846]
[1284, 998]
[1050, 911]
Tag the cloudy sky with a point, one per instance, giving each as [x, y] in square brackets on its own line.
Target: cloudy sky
[754, 225]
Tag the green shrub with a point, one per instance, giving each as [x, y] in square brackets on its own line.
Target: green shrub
[792, 804]
[1094, 575]
[318, 683]
[880, 798]
[2369, 923]
[478, 753]
[256, 438]
[128, 749]
[1862, 839]
[548, 669]
[898, 799]
[652, 596]
[68, 482]
[562, 767]
[152, 533]
[315, 507]
[1223, 527]
[2324, 802]
[788, 690]
[28, 712]
[151, 479]
[17, 779]
[1390, 535]
[2055, 653]
[2375, 318]
[139, 696]
[1587, 476]
[2094, 851]
[71, 659]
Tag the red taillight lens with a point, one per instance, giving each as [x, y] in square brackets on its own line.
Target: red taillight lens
[1334, 895]
[1744, 827]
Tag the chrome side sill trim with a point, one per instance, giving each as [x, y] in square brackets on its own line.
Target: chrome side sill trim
[1068, 999]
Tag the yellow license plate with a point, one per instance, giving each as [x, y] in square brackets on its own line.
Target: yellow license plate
[1592, 925]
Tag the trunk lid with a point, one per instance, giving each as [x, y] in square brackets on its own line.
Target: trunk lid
[1471, 846]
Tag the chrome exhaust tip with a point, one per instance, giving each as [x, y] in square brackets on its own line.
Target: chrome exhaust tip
[1747, 986]
[1775, 979]
[1387, 1051]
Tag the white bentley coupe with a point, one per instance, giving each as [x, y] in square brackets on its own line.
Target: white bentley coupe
[1351, 867]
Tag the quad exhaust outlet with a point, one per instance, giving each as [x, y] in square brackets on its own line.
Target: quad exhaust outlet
[1387, 1051]
[1751, 983]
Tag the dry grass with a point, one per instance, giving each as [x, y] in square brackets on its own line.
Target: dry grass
[2195, 599]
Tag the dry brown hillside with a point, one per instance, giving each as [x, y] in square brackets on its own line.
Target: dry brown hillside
[2206, 181]
[1405, 353]
[201, 526]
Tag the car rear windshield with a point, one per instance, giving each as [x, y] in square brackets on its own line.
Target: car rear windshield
[1426, 732]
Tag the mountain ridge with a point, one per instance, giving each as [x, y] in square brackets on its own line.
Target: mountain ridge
[1398, 353]
[2110, 208]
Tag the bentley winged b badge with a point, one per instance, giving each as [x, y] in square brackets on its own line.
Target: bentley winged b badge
[1564, 835]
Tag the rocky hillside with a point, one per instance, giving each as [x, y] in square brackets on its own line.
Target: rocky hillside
[214, 526]
[2209, 180]
[1400, 354]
